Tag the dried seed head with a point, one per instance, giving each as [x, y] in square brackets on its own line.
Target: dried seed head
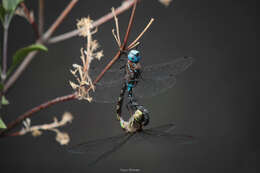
[99, 54]
[36, 133]
[84, 25]
[62, 137]
[81, 72]
[67, 117]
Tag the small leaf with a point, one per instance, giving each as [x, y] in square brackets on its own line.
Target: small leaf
[2, 124]
[10, 5]
[2, 13]
[1, 86]
[4, 101]
[22, 53]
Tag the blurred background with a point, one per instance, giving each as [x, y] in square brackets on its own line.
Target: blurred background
[214, 100]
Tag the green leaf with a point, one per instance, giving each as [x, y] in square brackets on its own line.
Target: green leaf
[2, 124]
[10, 5]
[1, 86]
[4, 101]
[22, 53]
[2, 13]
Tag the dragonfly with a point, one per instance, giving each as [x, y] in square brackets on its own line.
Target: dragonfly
[98, 150]
[152, 80]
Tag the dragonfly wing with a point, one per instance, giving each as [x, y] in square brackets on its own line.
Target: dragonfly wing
[164, 132]
[159, 78]
[167, 69]
[112, 150]
[153, 86]
[99, 149]
[114, 73]
[92, 146]
[107, 92]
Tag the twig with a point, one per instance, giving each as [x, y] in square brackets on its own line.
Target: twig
[58, 21]
[30, 19]
[117, 35]
[125, 6]
[19, 70]
[4, 68]
[41, 17]
[74, 95]
[140, 35]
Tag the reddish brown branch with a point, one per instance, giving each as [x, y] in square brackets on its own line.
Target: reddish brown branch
[30, 19]
[41, 17]
[74, 95]
[58, 21]
[37, 109]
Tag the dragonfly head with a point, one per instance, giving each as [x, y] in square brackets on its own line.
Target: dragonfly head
[134, 56]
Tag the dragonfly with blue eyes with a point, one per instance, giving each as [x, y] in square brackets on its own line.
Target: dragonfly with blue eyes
[153, 79]
[136, 82]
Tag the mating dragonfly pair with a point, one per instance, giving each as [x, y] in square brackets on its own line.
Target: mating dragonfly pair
[135, 82]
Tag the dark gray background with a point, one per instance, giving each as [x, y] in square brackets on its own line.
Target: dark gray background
[214, 100]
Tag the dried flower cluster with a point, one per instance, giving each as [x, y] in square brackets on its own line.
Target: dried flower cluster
[61, 137]
[90, 52]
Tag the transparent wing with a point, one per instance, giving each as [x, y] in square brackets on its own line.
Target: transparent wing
[91, 146]
[114, 73]
[99, 149]
[155, 79]
[107, 92]
[165, 132]
[167, 69]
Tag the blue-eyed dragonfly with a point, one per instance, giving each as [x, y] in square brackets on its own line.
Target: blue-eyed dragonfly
[154, 79]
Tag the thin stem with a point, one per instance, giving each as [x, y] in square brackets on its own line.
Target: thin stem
[41, 17]
[4, 63]
[141, 34]
[19, 70]
[125, 6]
[58, 21]
[30, 19]
[129, 26]
[73, 95]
